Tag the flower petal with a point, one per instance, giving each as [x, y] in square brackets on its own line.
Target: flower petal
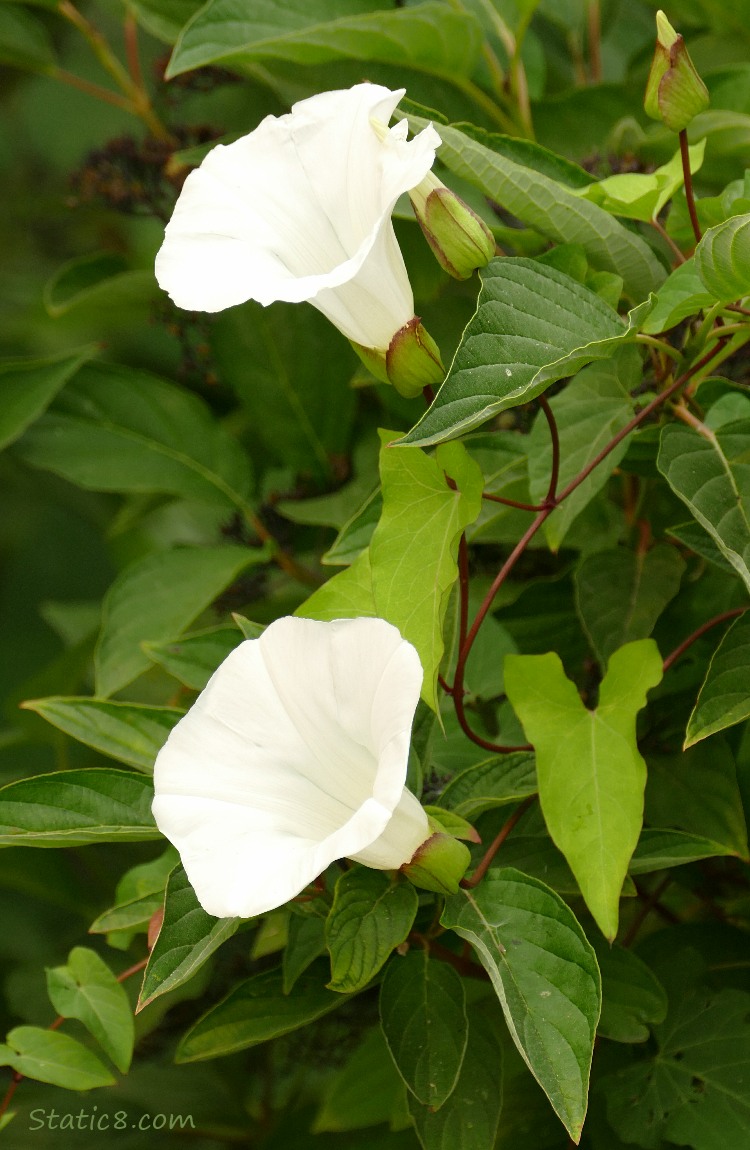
[294, 755]
[296, 209]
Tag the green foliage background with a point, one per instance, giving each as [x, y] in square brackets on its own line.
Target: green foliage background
[173, 482]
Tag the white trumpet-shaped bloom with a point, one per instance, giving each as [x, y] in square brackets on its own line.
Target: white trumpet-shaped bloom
[293, 756]
[300, 209]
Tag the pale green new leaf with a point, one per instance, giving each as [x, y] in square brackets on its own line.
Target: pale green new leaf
[722, 259]
[414, 548]
[87, 989]
[423, 1015]
[682, 294]
[642, 195]
[348, 595]
[724, 698]
[156, 598]
[710, 472]
[551, 208]
[49, 1056]
[72, 808]
[372, 913]
[533, 325]
[257, 1010]
[590, 772]
[545, 975]
[620, 594]
[187, 938]
[430, 37]
[132, 733]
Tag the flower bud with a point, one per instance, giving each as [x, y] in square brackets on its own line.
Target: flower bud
[460, 239]
[411, 362]
[439, 863]
[675, 92]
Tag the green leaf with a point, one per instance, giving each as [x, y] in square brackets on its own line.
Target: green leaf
[470, 1118]
[132, 733]
[550, 207]
[27, 386]
[533, 325]
[414, 548]
[591, 774]
[708, 471]
[118, 429]
[24, 40]
[693, 536]
[72, 808]
[423, 1014]
[156, 598]
[306, 941]
[697, 792]
[356, 533]
[135, 914]
[495, 782]
[545, 975]
[724, 698]
[164, 18]
[693, 1090]
[256, 1011]
[299, 407]
[642, 195]
[49, 1056]
[722, 259]
[348, 595]
[187, 938]
[87, 989]
[633, 999]
[101, 278]
[588, 413]
[620, 594]
[659, 848]
[682, 294]
[194, 658]
[364, 1092]
[430, 37]
[372, 914]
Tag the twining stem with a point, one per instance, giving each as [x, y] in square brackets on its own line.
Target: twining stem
[458, 683]
[91, 89]
[130, 31]
[281, 557]
[688, 175]
[477, 875]
[678, 255]
[18, 1077]
[554, 436]
[595, 42]
[650, 902]
[129, 84]
[511, 502]
[672, 658]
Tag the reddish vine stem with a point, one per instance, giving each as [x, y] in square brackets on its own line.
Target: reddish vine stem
[484, 865]
[688, 175]
[18, 1077]
[463, 590]
[130, 32]
[512, 502]
[650, 902]
[682, 648]
[555, 438]
[531, 530]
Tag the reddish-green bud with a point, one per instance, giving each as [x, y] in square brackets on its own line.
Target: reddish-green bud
[411, 362]
[439, 863]
[675, 92]
[460, 239]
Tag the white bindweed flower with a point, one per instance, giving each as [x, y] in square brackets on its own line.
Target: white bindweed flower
[300, 209]
[293, 756]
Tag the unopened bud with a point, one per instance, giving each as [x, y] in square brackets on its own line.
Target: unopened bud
[439, 863]
[675, 92]
[460, 239]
